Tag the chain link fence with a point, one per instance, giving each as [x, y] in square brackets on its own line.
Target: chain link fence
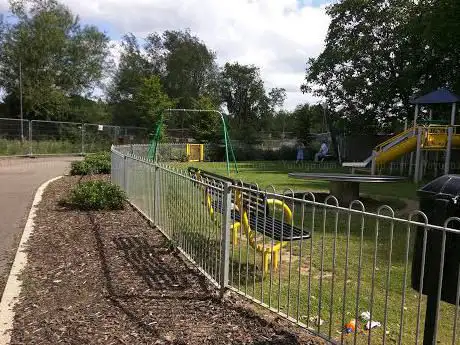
[14, 135]
[39, 137]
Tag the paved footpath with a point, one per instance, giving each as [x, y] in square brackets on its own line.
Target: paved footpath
[19, 180]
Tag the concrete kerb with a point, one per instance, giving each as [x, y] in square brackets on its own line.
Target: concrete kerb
[13, 285]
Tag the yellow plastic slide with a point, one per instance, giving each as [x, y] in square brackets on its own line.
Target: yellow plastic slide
[396, 151]
[434, 137]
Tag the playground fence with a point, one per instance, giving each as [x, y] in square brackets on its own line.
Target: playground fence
[39, 137]
[356, 265]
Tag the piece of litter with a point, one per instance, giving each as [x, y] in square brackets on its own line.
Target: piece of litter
[314, 319]
[365, 316]
[372, 324]
[350, 327]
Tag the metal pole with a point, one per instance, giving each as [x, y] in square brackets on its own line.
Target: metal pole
[415, 116]
[225, 240]
[448, 150]
[30, 137]
[374, 163]
[82, 139]
[125, 175]
[449, 138]
[156, 195]
[417, 156]
[403, 158]
[20, 101]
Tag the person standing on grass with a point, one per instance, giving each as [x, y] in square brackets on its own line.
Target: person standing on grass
[322, 151]
[300, 148]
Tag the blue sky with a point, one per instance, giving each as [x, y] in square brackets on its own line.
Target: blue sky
[276, 35]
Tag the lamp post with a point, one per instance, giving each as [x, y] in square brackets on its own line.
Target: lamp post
[20, 101]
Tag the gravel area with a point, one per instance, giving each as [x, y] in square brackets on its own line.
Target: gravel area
[110, 278]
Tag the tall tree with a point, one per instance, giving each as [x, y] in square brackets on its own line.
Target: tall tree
[59, 58]
[368, 69]
[151, 101]
[435, 30]
[186, 64]
[247, 101]
[129, 77]
[206, 126]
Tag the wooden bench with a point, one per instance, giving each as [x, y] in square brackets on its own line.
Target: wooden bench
[255, 219]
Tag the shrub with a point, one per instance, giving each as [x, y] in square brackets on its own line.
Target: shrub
[100, 162]
[79, 168]
[96, 195]
[95, 163]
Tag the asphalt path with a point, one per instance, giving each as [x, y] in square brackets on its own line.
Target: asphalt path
[19, 180]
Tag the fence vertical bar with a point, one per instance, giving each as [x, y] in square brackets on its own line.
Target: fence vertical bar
[156, 195]
[83, 138]
[125, 175]
[225, 233]
[30, 138]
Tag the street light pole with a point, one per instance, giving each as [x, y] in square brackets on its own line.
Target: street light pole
[20, 101]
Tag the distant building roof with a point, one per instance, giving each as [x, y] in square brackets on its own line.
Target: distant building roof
[436, 97]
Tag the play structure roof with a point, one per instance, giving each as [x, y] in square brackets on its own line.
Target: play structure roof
[436, 97]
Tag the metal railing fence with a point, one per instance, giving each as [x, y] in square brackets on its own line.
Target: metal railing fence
[355, 264]
[38, 137]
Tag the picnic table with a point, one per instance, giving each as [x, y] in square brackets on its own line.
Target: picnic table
[345, 187]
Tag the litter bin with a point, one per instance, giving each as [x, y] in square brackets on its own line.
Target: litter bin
[439, 200]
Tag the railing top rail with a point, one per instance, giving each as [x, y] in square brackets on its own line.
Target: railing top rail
[50, 121]
[13, 119]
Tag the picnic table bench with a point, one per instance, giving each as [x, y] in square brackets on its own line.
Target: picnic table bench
[252, 213]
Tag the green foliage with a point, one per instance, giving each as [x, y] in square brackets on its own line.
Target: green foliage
[96, 163]
[175, 62]
[151, 101]
[80, 168]
[252, 109]
[58, 56]
[96, 195]
[191, 68]
[207, 126]
[379, 53]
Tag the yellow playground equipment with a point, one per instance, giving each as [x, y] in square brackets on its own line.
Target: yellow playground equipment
[419, 138]
[195, 152]
[265, 234]
[432, 137]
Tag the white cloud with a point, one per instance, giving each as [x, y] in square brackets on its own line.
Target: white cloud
[3, 6]
[275, 35]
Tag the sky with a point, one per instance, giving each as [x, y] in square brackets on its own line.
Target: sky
[276, 35]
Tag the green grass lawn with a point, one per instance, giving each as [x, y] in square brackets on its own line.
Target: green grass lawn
[314, 274]
[276, 174]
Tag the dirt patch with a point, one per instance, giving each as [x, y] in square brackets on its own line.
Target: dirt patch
[109, 278]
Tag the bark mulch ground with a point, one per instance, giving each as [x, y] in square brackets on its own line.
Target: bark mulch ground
[110, 278]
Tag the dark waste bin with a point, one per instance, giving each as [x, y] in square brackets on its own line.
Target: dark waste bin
[439, 200]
